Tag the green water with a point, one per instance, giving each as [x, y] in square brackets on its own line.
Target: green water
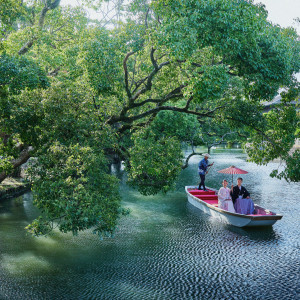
[165, 249]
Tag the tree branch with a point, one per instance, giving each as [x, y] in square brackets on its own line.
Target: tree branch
[139, 83]
[222, 139]
[188, 102]
[151, 75]
[125, 119]
[26, 47]
[23, 158]
[256, 129]
[188, 158]
[148, 86]
[154, 63]
[146, 17]
[126, 74]
[54, 4]
[48, 6]
[173, 94]
[60, 27]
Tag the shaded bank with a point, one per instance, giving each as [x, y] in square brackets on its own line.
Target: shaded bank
[11, 187]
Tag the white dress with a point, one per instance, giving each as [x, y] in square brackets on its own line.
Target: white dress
[225, 201]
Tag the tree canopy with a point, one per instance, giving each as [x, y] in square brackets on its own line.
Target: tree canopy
[76, 95]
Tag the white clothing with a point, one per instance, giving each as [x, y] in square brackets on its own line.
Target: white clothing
[225, 201]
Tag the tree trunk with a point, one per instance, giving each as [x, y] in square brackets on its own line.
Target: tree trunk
[23, 158]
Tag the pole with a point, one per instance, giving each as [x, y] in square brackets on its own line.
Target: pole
[208, 169]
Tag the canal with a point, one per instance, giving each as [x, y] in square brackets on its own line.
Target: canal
[165, 248]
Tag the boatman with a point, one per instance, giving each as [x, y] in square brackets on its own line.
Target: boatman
[202, 170]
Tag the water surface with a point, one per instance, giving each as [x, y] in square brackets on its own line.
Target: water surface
[165, 249]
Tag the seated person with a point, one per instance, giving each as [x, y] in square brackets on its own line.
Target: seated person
[239, 190]
[241, 198]
[224, 197]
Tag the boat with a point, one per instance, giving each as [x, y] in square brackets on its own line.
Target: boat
[207, 201]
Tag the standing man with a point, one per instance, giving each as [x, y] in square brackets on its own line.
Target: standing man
[202, 170]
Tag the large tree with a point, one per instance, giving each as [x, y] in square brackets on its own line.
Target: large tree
[115, 89]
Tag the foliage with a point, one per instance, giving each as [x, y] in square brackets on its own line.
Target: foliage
[237, 29]
[215, 132]
[277, 136]
[184, 127]
[170, 72]
[71, 170]
[18, 73]
[11, 10]
[72, 188]
[154, 170]
[100, 57]
[291, 171]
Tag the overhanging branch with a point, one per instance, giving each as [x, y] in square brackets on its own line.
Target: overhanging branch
[126, 74]
[49, 5]
[25, 154]
[125, 119]
[188, 158]
[149, 78]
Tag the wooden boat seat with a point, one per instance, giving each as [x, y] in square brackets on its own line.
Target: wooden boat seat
[207, 197]
[201, 192]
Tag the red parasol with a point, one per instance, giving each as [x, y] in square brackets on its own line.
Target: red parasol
[233, 170]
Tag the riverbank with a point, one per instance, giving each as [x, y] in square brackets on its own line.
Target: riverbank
[13, 187]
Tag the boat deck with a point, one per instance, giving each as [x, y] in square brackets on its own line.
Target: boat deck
[208, 196]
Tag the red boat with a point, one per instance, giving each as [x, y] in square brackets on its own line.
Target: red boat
[207, 201]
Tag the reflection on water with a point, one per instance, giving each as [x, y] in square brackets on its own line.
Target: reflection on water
[165, 249]
[256, 234]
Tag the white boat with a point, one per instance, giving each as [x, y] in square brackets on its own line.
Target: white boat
[208, 202]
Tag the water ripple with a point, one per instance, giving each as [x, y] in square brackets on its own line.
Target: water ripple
[166, 249]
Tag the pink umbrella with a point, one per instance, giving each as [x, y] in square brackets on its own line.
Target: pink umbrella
[233, 170]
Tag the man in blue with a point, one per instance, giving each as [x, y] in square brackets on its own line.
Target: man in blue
[202, 170]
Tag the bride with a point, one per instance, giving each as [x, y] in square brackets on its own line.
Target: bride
[224, 197]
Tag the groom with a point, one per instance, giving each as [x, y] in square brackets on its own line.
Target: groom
[238, 190]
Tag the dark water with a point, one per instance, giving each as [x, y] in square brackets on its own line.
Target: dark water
[166, 248]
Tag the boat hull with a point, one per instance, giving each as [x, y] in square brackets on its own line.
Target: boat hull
[235, 219]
